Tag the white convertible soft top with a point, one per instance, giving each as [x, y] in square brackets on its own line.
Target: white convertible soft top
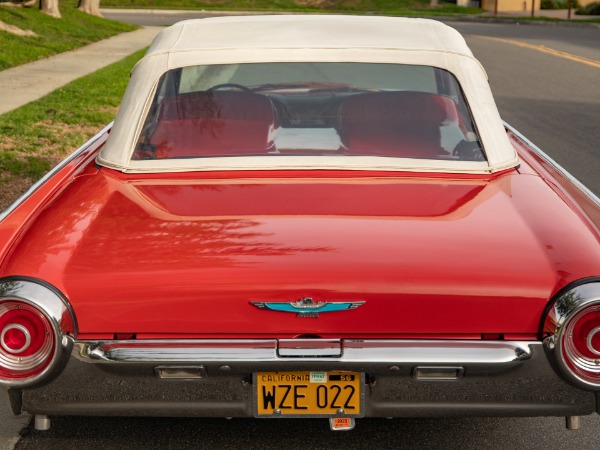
[308, 38]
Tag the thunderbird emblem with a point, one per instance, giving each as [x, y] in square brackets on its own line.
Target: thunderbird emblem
[307, 307]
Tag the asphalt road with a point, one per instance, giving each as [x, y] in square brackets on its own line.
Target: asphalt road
[552, 98]
[551, 95]
[465, 434]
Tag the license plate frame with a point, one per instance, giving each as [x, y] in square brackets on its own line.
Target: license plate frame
[358, 383]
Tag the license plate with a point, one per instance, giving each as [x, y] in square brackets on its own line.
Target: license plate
[317, 394]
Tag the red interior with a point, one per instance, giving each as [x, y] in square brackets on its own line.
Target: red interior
[233, 123]
[213, 123]
[403, 124]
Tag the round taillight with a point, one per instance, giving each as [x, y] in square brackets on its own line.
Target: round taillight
[27, 341]
[580, 343]
[15, 338]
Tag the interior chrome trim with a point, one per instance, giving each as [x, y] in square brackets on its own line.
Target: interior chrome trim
[221, 351]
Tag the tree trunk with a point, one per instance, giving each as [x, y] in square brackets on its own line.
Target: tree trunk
[91, 7]
[50, 7]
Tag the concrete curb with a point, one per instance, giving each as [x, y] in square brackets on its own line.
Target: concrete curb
[28, 82]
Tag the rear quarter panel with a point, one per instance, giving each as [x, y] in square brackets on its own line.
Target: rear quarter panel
[15, 219]
[534, 161]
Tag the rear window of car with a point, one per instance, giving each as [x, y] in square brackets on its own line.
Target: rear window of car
[275, 109]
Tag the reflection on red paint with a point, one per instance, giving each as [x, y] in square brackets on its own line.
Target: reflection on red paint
[451, 255]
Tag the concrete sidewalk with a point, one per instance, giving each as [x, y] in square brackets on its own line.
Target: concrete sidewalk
[28, 82]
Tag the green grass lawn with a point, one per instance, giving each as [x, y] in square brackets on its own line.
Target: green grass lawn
[40, 134]
[73, 30]
[401, 7]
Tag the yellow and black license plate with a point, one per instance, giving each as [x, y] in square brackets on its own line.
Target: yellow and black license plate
[305, 394]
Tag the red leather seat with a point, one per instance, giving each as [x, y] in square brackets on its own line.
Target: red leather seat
[399, 123]
[213, 123]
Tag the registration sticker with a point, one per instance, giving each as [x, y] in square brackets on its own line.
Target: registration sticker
[342, 423]
[318, 377]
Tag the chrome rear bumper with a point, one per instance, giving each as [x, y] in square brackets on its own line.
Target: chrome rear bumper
[290, 351]
[213, 378]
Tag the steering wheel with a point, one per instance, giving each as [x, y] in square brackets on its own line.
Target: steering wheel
[469, 151]
[216, 87]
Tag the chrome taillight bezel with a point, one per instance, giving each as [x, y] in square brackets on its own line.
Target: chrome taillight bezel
[36, 353]
[56, 310]
[559, 322]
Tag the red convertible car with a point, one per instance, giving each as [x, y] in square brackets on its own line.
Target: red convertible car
[303, 216]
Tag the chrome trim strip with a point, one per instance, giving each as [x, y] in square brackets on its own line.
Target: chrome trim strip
[593, 197]
[309, 347]
[14, 205]
[439, 352]
[176, 351]
[60, 315]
